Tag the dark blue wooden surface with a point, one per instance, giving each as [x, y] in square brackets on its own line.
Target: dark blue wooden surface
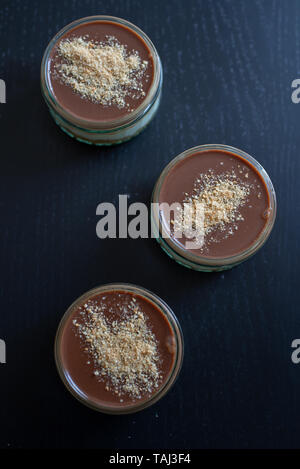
[228, 68]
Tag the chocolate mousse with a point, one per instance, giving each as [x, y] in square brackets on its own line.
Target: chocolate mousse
[100, 70]
[234, 196]
[116, 349]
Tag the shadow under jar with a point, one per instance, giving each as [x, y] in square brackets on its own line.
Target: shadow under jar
[101, 78]
[119, 348]
[236, 202]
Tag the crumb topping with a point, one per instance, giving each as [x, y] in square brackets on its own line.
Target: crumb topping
[103, 72]
[124, 352]
[221, 197]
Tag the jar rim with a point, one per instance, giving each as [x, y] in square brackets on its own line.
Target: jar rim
[113, 124]
[196, 260]
[168, 315]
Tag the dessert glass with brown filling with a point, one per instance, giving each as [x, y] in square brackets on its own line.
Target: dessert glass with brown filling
[119, 348]
[237, 200]
[101, 78]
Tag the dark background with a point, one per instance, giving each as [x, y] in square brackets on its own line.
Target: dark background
[228, 68]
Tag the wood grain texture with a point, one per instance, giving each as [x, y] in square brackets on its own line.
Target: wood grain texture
[228, 67]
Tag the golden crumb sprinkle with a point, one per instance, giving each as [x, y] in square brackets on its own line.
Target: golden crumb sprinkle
[124, 351]
[103, 72]
[221, 196]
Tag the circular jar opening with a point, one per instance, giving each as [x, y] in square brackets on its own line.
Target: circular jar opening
[119, 348]
[101, 78]
[225, 203]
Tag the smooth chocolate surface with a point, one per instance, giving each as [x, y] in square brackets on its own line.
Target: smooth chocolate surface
[180, 180]
[84, 108]
[78, 365]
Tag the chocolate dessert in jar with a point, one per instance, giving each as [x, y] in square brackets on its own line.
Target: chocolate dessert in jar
[226, 200]
[101, 78]
[119, 348]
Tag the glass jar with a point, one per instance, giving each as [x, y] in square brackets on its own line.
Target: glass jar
[170, 319]
[185, 257]
[113, 131]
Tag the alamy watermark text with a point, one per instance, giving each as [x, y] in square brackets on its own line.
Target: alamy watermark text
[296, 352]
[2, 92]
[177, 220]
[2, 351]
